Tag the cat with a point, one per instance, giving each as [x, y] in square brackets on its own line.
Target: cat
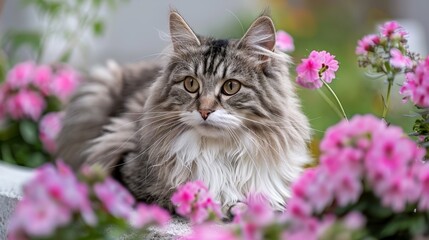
[221, 111]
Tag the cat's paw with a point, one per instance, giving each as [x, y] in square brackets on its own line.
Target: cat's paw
[235, 209]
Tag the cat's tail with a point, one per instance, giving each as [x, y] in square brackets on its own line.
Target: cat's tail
[88, 111]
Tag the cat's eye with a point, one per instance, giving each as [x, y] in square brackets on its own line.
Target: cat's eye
[191, 84]
[231, 87]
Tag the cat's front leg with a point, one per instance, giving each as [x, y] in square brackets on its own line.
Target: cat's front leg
[231, 210]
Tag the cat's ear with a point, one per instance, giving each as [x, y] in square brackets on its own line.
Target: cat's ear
[180, 32]
[260, 35]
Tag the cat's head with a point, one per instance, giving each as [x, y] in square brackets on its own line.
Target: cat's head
[217, 86]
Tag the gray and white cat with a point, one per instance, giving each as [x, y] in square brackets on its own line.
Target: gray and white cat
[221, 111]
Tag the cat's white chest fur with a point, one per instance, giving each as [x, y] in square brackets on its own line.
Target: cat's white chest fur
[231, 168]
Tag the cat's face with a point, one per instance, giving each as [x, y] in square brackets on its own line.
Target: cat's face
[219, 86]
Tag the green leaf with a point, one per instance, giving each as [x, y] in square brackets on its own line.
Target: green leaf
[36, 159]
[65, 57]
[9, 131]
[96, 3]
[15, 40]
[6, 153]
[28, 132]
[98, 28]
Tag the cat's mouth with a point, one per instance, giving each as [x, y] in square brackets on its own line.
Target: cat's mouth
[209, 130]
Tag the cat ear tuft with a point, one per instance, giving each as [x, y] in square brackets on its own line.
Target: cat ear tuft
[180, 32]
[261, 34]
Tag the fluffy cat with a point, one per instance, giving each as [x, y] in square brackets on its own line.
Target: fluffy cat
[221, 111]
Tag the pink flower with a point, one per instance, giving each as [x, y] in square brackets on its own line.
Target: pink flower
[42, 78]
[49, 202]
[49, 127]
[392, 29]
[284, 41]
[26, 103]
[396, 193]
[424, 195]
[64, 83]
[194, 201]
[367, 44]
[115, 198]
[329, 66]
[398, 60]
[145, 215]
[39, 218]
[354, 220]
[319, 65]
[211, 232]
[347, 187]
[416, 85]
[20, 75]
[308, 71]
[298, 208]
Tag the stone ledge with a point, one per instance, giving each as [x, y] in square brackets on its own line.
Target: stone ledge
[12, 179]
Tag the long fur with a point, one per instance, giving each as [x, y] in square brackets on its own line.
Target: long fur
[143, 126]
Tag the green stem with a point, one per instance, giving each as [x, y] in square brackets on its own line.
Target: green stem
[386, 104]
[330, 103]
[343, 113]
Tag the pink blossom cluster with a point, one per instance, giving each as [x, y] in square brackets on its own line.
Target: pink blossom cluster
[284, 41]
[251, 220]
[121, 204]
[55, 197]
[50, 200]
[389, 44]
[363, 154]
[317, 67]
[416, 85]
[27, 85]
[194, 201]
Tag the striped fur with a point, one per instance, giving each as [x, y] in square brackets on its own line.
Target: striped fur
[142, 125]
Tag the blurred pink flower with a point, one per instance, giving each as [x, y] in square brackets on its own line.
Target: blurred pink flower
[145, 215]
[366, 44]
[42, 78]
[354, 220]
[211, 232]
[64, 83]
[299, 208]
[398, 60]
[258, 215]
[20, 76]
[423, 177]
[39, 218]
[49, 201]
[347, 187]
[392, 29]
[319, 65]
[115, 198]
[194, 201]
[26, 103]
[49, 127]
[284, 41]
[416, 85]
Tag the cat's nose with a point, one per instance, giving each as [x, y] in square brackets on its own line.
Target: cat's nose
[205, 113]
